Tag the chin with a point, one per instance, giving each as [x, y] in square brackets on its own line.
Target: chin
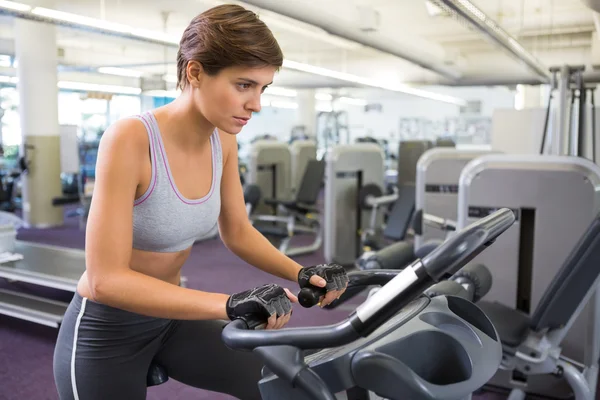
[230, 129]
[233, 129]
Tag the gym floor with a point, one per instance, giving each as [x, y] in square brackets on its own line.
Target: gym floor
[26, 348]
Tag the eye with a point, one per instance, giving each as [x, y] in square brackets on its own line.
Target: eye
[263, 89]
[244, 86]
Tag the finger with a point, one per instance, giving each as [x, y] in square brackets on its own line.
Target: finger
[271, 322]
[284, 320]
[280, 322]
[276, 324]
[321, 301]
[330, 297]
[291, 296]
[316, 280]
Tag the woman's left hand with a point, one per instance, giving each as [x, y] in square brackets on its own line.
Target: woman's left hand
[331, 276]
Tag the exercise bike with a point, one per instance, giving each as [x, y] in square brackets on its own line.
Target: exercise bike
[402, 343]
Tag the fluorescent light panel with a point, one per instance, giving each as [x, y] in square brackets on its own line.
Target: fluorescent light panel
[80, 19]
[120, 72]
[106, 25]
[154, 35]
[93, 87]
[370, 82]
[88, 87]
[11, 5]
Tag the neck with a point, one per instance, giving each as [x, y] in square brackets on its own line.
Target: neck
[186, 125]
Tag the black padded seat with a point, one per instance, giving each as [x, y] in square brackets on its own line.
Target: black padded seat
[279, 231]
[292, 205]
[512, 325]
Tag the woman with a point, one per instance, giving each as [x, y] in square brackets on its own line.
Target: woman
[163, 179]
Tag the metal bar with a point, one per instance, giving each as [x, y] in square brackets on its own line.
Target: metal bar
[581, 128]
[558, 136]
[467, 11]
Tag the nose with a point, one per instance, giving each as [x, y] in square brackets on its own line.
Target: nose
[254, 104]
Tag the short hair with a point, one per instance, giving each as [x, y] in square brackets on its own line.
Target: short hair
[226, 36]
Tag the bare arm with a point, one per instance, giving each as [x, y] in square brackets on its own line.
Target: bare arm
[109, 237]
[235, 229]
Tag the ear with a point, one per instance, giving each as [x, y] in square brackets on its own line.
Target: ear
[194, 72]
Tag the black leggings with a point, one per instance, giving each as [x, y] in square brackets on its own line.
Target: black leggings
[105, 353]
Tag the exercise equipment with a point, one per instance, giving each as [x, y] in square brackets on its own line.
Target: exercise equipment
[472, 282]
[269, 167]
[300, 216]
[428, 207]
[399, 204]
[399, 344]
[332, 130]
[532, 344]
[348, 168]
[301, 152]
[566, 131]
[436, 193]
[554, 199]
[444, 142]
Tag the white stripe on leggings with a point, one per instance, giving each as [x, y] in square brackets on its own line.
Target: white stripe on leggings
[75, 334]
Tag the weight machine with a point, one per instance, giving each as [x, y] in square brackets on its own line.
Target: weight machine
[569, 130]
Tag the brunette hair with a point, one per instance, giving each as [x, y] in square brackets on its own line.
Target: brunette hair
[226, 36]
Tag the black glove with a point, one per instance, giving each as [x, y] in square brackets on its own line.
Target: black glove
[334, 274]
[263, 301]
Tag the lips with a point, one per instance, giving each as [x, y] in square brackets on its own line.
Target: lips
[241, 120]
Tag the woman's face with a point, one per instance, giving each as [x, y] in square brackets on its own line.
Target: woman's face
[228, 99]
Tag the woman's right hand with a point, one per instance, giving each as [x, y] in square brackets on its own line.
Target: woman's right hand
[268, 302]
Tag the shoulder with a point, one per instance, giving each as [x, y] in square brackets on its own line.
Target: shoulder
[128, 135]
[228, 144]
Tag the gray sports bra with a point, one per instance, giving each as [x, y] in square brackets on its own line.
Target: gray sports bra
[163, 219]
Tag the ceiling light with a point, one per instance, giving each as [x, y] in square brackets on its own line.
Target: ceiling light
[155, 35]
[105, 25]
[11, 5]
[120, 72]
[87, 87]
[80, 19]
[370, 82]
[93, 87]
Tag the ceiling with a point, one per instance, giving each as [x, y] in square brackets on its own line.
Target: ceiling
[553, 32]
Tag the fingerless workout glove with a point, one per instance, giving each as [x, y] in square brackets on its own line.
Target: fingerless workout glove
[334, 274]
[264, 301]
